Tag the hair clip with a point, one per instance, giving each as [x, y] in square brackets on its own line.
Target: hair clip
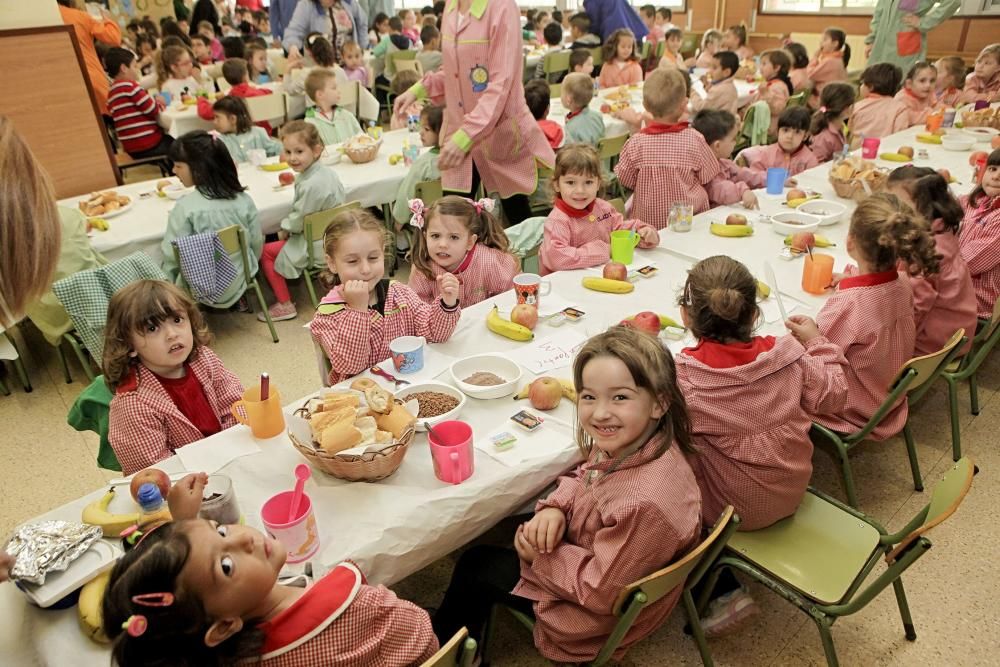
[822, 109]
[418, 209]
[135, 625]
[134, 536]
[153, 599]
[484, 203]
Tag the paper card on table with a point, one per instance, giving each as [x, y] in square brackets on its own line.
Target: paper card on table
[212, 454]
[547, 440]
[550, 353]
[435, 362]
[551, 303]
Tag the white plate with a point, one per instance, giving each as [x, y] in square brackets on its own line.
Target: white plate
[101, 556]
[402, 393]
[112, 214]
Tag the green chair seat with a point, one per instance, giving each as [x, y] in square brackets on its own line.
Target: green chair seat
[819, 550]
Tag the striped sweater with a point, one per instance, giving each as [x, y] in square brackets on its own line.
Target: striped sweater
[135, 114]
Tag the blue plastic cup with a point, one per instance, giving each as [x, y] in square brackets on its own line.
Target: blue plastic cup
[776, 177]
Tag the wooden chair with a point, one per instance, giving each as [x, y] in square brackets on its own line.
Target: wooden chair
[608, 149]
[269, 108]
[234, 239]
[555, 62]
[912, 381]
[314, 227]
[965, 369]
[820, 557]
[460, 651]
[686, 572]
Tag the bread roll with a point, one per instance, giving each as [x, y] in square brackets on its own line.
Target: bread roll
[339, 436]
[396, 422]
[361, 384]
[340, 400]
[383, 438]
[379, 400]
[320, 421]
[368, 427]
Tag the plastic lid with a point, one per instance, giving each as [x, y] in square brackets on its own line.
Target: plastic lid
[149, 497]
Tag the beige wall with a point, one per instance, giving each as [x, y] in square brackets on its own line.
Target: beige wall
[28, 13]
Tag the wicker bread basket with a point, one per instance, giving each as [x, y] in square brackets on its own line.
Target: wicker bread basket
[362, 154]
[854, 187]
[369, 467]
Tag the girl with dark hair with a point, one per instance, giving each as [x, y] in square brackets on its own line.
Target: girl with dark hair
[830, 63]
[231, 119]
[798, 73]
[946, 300]
[218, 200]
[877, 113]
[981, 236]
[830, 120]
[777, 87]
[791, 151]
[918, 94]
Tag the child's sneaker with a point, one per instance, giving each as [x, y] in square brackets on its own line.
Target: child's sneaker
[728, 612]
[243, 305]
[279, 313]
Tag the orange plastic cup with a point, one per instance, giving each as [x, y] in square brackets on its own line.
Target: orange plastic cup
[817, 273]
[934, 121]
[264, 418]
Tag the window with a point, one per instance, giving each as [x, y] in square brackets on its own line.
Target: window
[820, 6]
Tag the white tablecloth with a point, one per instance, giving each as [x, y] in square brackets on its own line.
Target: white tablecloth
[394, 527]
[141, 228]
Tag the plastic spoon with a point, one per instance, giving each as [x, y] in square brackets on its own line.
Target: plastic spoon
[302, 473]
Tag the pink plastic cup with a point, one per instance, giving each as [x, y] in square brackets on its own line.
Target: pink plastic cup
[869, 148]
[300, 535]
[452, 454]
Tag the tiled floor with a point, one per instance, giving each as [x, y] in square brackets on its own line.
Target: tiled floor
[953, 590]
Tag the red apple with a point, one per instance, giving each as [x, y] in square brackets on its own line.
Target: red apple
[905, 150]
[615, 271]
[153, 476]
[545, 393]
[647, 321]
[945, 174]
[286, 178]
[736, 219]
[975, 157]
[795, 193]
[605, 108]
[525, 315]
[803, 240]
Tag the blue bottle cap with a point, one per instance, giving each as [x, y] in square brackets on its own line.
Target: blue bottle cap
[149, 497]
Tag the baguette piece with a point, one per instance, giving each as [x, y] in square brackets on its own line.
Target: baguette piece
[339, 436]
[379, 400]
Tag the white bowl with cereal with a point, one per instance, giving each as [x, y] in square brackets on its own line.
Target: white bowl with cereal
[486, 376]
[437, 402]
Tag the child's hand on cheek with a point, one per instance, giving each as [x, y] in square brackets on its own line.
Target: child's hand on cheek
[449, 288]
[184, 499]
[356, 294]
[525, 551]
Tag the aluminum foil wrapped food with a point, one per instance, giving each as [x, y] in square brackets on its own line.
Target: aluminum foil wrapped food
[48, 546]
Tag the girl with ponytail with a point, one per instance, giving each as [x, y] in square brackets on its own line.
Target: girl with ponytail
[750, 399]
[830, 121]
[870, 315]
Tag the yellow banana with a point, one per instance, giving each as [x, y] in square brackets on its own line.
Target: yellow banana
[96, 514]
[506, 328]
[100, 224]
[523, 394]
[895, 157]
[798, 201]
[608, 285]
[730, 230]
[763, 289]
[820, 241]
[568, 390]
[927, 138]
[89, 607]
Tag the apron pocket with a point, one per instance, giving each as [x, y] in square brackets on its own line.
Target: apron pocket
[908, 43]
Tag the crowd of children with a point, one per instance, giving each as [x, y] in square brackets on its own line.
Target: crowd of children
[663, 435]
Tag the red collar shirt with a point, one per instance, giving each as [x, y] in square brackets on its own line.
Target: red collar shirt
[147, 426]
[340, 621]
[354, 340]
[484, 273]
[870, 317]
[664, 164]
[750, 406]
[625, 519]
[580, 238]
[979, 244]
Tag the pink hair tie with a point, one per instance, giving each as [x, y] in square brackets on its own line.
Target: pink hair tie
[484, 203]
[822, 109]
[135, 625]
[418, 209]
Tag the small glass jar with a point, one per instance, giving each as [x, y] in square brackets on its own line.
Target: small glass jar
[219, 501]
[681, 217]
